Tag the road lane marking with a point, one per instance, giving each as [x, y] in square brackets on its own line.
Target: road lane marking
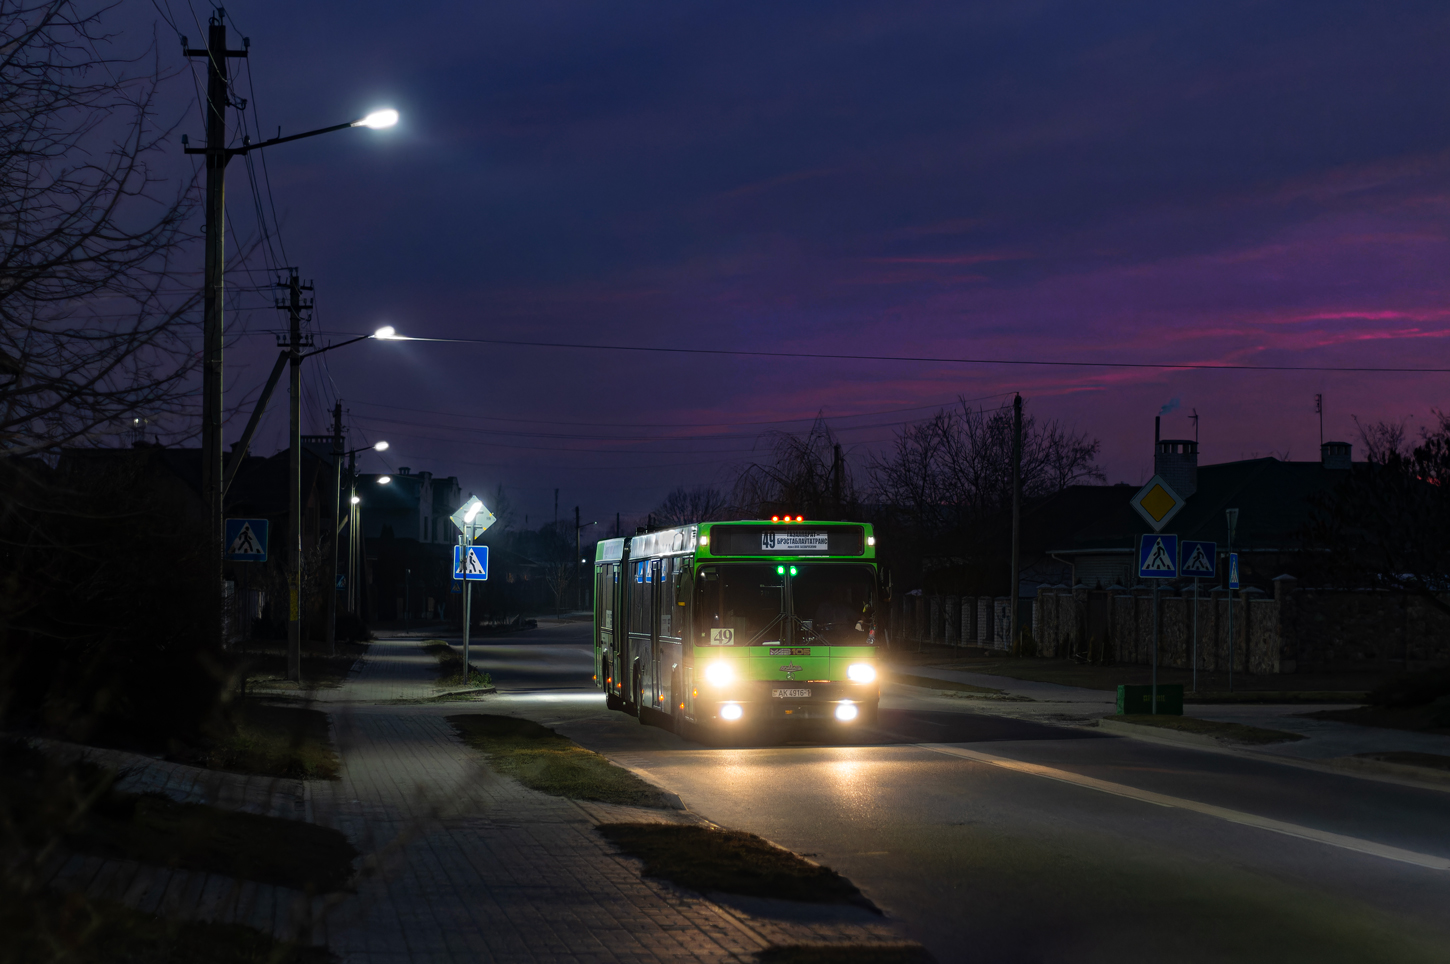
[1223, 813]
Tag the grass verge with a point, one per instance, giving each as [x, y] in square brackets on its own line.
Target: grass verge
[43, 927]
[266, 665]
[543, 760]
[846, 954]
[75, 804]
[932, 683]
[278, 741]
[450, 666]
[1433, 761]
[1279, 696]
[731, 861]
[1232, 732]
[1418, 719]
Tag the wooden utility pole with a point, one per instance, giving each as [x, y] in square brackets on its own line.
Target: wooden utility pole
[1012, 639]
[337, 450]
[294, 305]
[217, 156]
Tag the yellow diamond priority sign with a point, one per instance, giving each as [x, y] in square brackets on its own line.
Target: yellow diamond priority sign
[1157, 503]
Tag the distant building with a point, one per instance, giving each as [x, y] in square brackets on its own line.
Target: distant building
[412, 505]
[1095, 534]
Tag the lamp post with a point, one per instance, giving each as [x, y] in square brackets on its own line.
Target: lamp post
[472, 520]
[218, 155]
[339, 523]
[578, 571]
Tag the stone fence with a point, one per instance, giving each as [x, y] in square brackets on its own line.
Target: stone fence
[1290, 630]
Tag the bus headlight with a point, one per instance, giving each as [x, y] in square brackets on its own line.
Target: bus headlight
[845, 711]
[861, 673]
[731, 711]
[719, 673]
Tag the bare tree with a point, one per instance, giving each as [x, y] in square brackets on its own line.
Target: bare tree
[1382, 439]
[805, 474]
[703, 503]
[956, 468]
[1387, 525]
[92, 329]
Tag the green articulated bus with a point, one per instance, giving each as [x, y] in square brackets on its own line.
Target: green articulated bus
[726, 625]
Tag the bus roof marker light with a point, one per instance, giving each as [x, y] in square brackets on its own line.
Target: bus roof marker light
[870, 540]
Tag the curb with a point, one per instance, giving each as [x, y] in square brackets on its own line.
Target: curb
[1404, 770]
[671, 797]
[1159, 734]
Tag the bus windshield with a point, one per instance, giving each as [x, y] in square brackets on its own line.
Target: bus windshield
[739, 605]
[835, 603]
[747, 605]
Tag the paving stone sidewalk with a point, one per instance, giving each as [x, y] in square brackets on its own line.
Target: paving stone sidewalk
[466, 865]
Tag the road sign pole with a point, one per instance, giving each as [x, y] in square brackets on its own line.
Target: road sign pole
[1154, 710]
[464, 541]
[1195, 634]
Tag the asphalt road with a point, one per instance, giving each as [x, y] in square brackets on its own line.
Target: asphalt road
[995, 839]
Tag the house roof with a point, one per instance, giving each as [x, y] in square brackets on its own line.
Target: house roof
[1274, 498]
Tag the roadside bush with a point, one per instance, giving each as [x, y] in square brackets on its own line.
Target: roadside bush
[1412, 689]
[104, 607]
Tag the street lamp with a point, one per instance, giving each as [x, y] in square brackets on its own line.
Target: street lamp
[218, 155]
[472, 520]
[354, 518]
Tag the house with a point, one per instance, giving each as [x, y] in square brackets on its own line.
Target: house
[412, 505]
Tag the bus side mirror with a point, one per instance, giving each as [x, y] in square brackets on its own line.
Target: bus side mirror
[886, 584]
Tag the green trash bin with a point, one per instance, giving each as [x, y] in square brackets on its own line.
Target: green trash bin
[1139, 699]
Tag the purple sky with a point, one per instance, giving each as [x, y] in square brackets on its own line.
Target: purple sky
[1229, 181]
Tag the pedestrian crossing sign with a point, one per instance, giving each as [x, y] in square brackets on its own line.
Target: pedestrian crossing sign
[1233, 570]
[470, 562]
[246, 540]
[1199, 559]
[1158, 556]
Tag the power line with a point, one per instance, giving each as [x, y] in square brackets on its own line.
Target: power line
[722, 423]
[937, 360]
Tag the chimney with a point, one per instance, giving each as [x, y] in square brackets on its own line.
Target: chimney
[404, 470]
[1175, 460]
[1335, 455]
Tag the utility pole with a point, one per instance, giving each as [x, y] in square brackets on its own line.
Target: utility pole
[337, 450]
[217, 156]
[1319, 408]
[578, 570]
[294, 306]
[1012, 639]
[353, 521]
[1232, 516]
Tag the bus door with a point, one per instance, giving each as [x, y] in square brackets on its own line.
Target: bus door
[641, 631]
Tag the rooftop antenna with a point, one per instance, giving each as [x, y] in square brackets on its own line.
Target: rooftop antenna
[1194, 416]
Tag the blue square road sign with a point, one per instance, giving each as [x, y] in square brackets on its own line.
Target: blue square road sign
[1158, 556]
[1199, 559]
[1233, 570]
[470, 562]
[246, 540]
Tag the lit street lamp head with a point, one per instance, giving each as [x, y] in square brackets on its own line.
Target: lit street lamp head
[385, 332]
[355, 499]
[384, 479]
[378, 119]
[380, 447]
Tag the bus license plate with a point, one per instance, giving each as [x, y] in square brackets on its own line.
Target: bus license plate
[790, 694]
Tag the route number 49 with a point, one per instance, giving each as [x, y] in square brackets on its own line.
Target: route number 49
[722, 637]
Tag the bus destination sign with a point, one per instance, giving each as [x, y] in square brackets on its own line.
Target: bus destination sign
[784, 542]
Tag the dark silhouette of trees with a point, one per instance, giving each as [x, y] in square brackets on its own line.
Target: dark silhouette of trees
[1387, 525]
[93, 336]
[703, 503]
[805, 475]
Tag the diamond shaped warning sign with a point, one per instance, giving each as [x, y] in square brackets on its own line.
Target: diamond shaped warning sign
[1157, 503]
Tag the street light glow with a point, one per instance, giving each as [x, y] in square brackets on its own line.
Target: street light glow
[385, 332]
[356, 499]
[378, 119]
[384, 479]
[380, 447]
[472, 511]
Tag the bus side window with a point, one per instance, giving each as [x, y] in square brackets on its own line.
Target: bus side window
[665, 596]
